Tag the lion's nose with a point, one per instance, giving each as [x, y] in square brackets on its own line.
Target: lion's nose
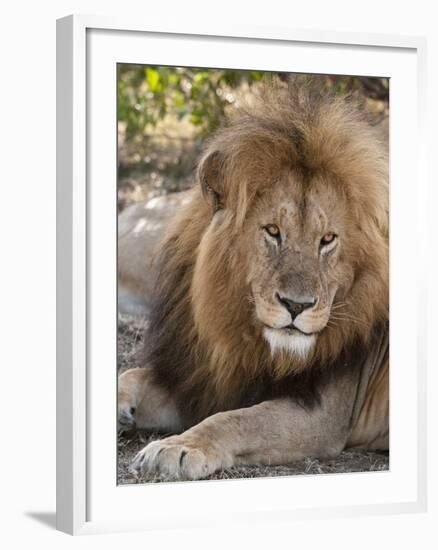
[294, 308]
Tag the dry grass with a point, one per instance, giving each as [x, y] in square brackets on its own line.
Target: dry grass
[130, 332]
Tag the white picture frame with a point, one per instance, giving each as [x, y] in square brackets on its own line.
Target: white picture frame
[88, 500]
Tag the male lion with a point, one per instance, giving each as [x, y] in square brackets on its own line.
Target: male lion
[268, 334]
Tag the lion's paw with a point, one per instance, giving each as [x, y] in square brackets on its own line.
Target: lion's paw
[176, 460]
[126, 418]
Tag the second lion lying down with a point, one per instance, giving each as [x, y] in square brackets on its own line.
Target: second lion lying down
[268, 333]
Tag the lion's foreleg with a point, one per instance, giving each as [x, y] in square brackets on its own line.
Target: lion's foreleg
[273, 432]
[141, 404]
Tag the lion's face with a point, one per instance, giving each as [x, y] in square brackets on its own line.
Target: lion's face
[299, 264]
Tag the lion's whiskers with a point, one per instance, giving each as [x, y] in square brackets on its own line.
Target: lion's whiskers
[345, 317]
[339, 305]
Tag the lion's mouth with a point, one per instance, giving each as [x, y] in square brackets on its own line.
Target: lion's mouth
[291, 329]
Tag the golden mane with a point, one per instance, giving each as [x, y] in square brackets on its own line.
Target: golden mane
[201, 342]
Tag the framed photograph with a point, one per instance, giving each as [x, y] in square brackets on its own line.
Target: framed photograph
[237, 315]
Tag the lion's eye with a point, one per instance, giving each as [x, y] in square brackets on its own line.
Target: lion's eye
[273, 230]
[328, 238]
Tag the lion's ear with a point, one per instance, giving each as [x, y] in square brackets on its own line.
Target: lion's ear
[210, 171]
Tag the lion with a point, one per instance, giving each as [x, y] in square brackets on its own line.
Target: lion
[268, 339]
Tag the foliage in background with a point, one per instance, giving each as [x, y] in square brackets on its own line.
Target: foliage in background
[147, 94]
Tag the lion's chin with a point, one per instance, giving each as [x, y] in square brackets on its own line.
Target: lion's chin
[295, 343]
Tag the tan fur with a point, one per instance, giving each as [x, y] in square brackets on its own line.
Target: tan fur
[140, 403]
[140, 229]
[372, 428]
[310, 165]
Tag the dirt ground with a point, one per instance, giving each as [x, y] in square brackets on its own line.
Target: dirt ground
[130, 338]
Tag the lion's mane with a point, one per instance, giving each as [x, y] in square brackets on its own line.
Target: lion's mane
[201, 343]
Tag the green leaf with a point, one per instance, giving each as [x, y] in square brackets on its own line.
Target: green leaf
[152, 78]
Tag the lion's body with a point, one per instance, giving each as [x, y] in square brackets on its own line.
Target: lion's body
[221, 337]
